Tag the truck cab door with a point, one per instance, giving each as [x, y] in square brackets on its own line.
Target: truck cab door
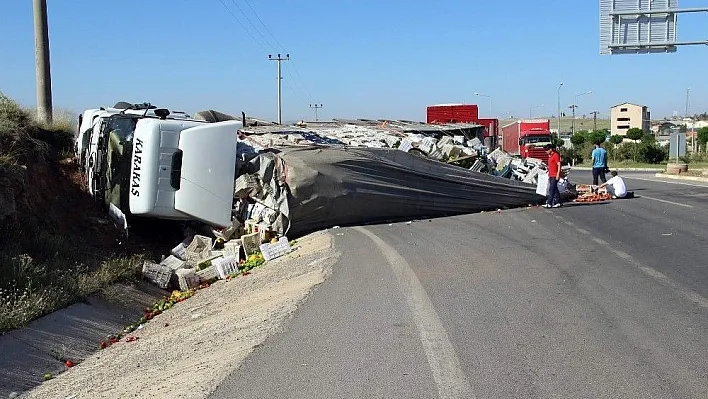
[203, 172]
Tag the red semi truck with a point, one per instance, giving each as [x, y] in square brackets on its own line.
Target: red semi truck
[527, 138]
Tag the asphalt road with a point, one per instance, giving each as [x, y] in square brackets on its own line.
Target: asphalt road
[586, 301]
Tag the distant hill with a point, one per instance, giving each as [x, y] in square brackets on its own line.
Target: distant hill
[565, 124]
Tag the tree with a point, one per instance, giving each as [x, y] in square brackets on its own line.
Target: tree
[635, 134]
[557, 141]
[577, 139]
[648, 138]
[616, 139]
[702, 136]
[597, 137]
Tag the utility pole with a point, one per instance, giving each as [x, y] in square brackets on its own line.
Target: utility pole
[572, 122]
[41, 59]
[316, 107]
[280, 79]
[594, 120]
[558, 125]
[574, 106]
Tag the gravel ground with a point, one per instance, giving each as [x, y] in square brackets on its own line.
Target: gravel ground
[187, 351]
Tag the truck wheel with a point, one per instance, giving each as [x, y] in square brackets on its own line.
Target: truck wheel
[123, 105]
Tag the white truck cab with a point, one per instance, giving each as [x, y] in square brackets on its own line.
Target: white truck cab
[147, 162]
[183, 169]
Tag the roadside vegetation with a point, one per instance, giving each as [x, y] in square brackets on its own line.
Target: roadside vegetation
[638, 149]
[53, 245]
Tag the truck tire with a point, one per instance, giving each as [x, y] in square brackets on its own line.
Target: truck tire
[123, 105]
[212, 116]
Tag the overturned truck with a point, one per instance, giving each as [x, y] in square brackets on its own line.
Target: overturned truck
[151, 166]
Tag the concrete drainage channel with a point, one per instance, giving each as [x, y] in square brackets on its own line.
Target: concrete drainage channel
[191, 335]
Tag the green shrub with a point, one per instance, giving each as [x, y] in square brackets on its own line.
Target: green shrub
[625, 152]
[651, 153]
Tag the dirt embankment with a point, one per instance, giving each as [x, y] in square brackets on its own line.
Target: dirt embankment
[56, 245]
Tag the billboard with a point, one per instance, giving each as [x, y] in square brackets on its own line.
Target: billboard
[638, 26]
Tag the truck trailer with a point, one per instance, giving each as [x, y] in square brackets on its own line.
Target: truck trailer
[527, 138]
[491, 131]
[452, 113]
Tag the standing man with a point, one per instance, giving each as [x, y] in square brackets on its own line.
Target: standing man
[554, 168]
[599, 164]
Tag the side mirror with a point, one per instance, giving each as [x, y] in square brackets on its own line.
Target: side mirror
[521, 142]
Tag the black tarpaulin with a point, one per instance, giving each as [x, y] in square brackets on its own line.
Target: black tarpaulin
[329, 186]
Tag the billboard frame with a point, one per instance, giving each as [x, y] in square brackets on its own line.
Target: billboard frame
[610, 37]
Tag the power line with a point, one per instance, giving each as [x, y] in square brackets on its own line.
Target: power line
[265, 40]
[265, 45]
[287, 67]
[243, 26]
[265, 27]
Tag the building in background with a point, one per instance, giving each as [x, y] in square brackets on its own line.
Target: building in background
[626, 116]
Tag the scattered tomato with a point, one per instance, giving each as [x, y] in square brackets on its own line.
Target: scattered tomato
[69, 364]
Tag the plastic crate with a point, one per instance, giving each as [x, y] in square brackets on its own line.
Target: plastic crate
[159, 275]
[208, 274]
[225, 266]
[272, 251]
[198, 250]
[187, 278]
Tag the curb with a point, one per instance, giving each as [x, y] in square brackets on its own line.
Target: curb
[70, 333]
[678, 177]
[621, 169]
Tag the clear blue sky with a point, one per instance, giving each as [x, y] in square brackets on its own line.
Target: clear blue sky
[360, 58]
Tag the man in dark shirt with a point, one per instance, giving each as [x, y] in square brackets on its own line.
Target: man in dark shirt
[553, 199]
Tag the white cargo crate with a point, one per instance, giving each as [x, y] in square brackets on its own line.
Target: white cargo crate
[272, 251]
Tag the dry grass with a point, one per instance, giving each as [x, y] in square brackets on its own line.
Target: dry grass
[42, 266]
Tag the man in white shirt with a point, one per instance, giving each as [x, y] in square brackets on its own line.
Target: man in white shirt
[615, 186]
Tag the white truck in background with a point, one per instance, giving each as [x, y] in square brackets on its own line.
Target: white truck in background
[144, 161]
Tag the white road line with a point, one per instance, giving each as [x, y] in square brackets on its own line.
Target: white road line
[444, 363]
[665, 201]
[687, 293]
[665, 181]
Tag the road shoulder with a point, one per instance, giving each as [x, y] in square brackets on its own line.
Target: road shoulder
[188, 350]
[680, 177]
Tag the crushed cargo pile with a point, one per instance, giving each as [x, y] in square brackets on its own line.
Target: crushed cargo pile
[461, 144]
[221, 255]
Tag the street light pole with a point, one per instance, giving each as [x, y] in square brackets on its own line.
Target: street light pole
[532, 108]
[558, 117]
[490, 102]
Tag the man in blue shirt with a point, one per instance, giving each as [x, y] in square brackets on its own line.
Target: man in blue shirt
[599, 164]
